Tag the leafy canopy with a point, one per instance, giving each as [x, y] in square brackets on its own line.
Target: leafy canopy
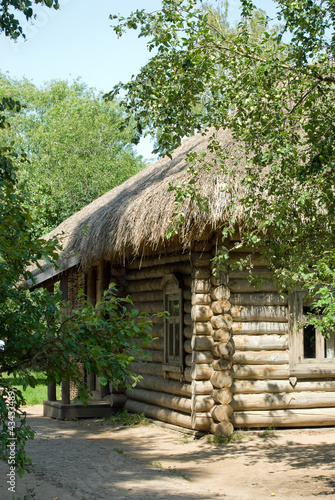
[9, 24]
[75, 143]
[276, 97]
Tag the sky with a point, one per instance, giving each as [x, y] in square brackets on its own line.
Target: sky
[78, 41]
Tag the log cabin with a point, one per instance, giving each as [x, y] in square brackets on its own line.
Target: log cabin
[228, 356]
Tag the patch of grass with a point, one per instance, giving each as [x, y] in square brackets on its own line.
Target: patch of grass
[220, 439]
[30, 494]
[33, 395]
[176, 471]
[156, 464]
[269, 432]
[122, 417]
[185, 439]
[119, 451]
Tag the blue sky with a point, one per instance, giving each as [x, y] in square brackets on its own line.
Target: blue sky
[78, 41]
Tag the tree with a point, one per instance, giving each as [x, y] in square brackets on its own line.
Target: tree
[11, 26]
[74, 144]
[274, 89]
[40, 333]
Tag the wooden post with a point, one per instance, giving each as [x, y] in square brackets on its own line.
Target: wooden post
[65, 383]
[52, 392]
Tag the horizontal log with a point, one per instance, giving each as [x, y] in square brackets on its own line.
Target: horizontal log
[158, 271]
[285, 418]
[148, 369]
[187, 306]
[201, 343]
[222, 396]
[221, 306]
[149, 296]
[259, 327]
[161, 399]
[258, 386]
[150, 307]
[222, 428]
[260, 371]
[271, 342]
[283, 400]
[201, 298]
[222, 334]
[261, 357]
[201, 313]
[157, 261]
[201, 421]
[201, 387]
[203, 328]
[220, 292]
[222, 364]
[162, 414]
[243, 286]
[258, 299]
[118, 400]
[199, 285]
[254, 259]
[144, 285]
[203, 246]
[198, 357]
[221, 379]
[165, 385]
[222, 413]
[202, 403]
[201, 259]
[259, 313]
[222, 321]
[198, 372]
[156, 345]
[201, 272]
[260, 272]
[150, 355]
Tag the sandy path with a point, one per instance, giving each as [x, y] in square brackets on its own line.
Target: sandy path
[87, 460]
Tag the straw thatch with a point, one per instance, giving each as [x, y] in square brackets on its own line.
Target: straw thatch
[132, 219]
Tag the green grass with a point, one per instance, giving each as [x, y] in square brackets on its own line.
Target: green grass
[122, 417]
[33, 395]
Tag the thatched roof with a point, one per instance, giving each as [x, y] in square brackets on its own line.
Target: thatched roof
[133, 218]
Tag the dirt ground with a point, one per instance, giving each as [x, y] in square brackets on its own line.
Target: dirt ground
[90, 460]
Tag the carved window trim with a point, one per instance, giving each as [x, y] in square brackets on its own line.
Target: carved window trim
[301, 366]
[173, 324]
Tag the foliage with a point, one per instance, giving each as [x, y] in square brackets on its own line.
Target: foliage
[273, 87]
[32, 395]
[9, 24]
[122, 417]
[75, 144]
[40, 333]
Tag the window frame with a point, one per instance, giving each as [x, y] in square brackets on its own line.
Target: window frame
[301, 367]
[173, 292]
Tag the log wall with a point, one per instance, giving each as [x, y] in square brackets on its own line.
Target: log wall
[263, 393]
[162, 394]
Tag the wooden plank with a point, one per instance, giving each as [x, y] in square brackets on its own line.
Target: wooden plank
[243, 286]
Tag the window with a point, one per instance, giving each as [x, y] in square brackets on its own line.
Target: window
[173, 324]
[310, 353]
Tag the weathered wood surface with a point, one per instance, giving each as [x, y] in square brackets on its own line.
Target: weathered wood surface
[270, 342]
[259, 327]
[261, 272]
[260, 371]
[201, 387]
[259, 313]
[165, 385]
[157, 261]
[285, 418]
[198, 357]
[221, 379]
[198, 372]
[283, 400]
[161, 399]
[222, 413]
[201, 259]
[256, 260]
[158, 271]
[201, 403]
[259, 386]
[258, 299]
[201, 313]
[150, 307]
[224, 428]
[163, 414]
[243, 286]
[149, 296]
[150, 355]
[201, 421]
[201, 298]
[144, 285]
[222, 396]
[261, 357]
